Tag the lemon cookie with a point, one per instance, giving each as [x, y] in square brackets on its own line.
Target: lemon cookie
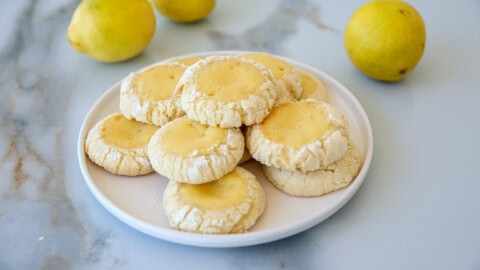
[337, 175]
[119, 145]
[227, 92]
[148, 95]
[231, 204]
[189, 152]
[187, 61]
[288, 79]
[301, 135]
[312, 88]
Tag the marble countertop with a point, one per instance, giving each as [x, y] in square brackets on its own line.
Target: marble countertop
[418, 208]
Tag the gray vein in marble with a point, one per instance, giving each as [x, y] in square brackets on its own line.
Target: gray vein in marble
[99, 246]
[270, 34]
[55, 262]
[32, 186]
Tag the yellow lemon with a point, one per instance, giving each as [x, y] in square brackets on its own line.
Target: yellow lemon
[111, 30]
[385, 39]
[184, 10]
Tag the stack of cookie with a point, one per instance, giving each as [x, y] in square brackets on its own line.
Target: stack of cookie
[195, 120]
[304, 147]
[303, 143]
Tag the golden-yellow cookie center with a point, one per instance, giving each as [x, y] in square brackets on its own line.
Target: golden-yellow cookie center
[228, 191]
[159, 82]
[309, 85]
[296, 124]
[230, 80]
[125, 133]
[184, 136]
[188, 61]
[278, 67]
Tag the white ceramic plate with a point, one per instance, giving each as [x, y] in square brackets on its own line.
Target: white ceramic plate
[137, 201]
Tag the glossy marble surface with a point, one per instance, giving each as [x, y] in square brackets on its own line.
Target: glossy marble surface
[418, 208]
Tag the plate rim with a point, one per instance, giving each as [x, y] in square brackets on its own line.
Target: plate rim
[223, 240]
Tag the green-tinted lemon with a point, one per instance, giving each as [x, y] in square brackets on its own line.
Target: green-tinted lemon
[184, 11]
[385, 39]
[112, 30]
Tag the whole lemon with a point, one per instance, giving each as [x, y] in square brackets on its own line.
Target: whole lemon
[184, 11]
[385, 39]
[111, 30]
